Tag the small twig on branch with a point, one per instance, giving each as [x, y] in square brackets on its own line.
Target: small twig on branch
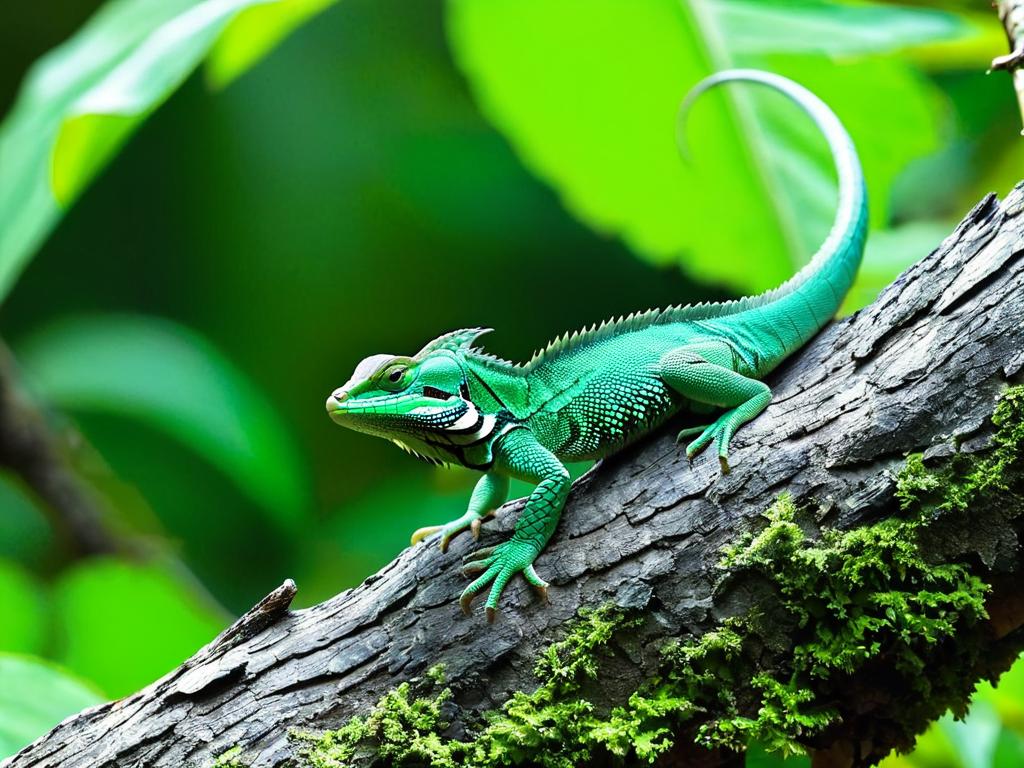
[1011, 13]
[33, 451]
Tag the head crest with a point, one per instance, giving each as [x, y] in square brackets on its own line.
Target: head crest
[453, 341]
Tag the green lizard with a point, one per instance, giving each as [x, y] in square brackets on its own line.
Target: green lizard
[587, 395]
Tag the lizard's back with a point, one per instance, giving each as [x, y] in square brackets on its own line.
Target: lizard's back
[593, 399]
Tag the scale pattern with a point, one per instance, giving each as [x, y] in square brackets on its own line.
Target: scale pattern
[610, 411]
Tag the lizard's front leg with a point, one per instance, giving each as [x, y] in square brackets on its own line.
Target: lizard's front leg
[490, 492]
[523, 457]
[701, 373]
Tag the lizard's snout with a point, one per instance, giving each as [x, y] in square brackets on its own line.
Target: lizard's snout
[336, 397]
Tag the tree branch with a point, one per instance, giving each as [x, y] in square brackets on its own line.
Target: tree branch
[36, 453]
[920, 370]
[1011, 13]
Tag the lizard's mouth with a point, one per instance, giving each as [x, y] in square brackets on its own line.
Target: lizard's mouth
[431, 409]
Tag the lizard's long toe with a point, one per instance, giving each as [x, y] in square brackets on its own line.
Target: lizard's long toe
[448, 531]
[421, 533]
[481, 554]
[690, 432]
[466, 600]
[539, 585]
[477, 566]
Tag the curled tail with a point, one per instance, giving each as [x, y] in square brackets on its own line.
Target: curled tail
[783, 319]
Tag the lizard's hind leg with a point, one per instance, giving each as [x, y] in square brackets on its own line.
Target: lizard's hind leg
[702, 373]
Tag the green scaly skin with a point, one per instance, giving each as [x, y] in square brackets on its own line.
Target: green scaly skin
[587, 395]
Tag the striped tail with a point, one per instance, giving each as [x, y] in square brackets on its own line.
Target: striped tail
[780, 321]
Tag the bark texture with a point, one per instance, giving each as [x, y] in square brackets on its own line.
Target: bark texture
[918, 370]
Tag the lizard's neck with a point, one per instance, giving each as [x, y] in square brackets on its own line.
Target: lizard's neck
[496, 385]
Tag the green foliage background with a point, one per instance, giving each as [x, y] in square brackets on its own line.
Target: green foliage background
[191, 259]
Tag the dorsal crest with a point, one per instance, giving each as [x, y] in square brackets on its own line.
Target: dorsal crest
[455, 340]
[639, 320]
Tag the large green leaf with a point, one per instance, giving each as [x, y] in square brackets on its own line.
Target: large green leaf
[83, 99]
[35, 695]
[588, 91]
[172, 379]
[24, 624]
[813, 26]
[114, 618]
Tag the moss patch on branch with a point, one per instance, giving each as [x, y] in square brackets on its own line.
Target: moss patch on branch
[856, 600]
[859, 631]
[552, 726]
[853, 597]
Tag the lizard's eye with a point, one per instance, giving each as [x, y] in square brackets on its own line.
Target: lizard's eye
[395, 375]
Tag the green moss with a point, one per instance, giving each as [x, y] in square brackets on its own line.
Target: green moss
[914, 482]
[854, 598]
[399, 729]
[436, 674]
[850, 603]
[229, 759]
[965, 477]
[552, 726]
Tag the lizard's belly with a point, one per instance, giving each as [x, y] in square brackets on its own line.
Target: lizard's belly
[609, 413]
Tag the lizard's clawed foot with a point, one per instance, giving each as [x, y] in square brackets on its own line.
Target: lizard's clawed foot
[469, 521]
[499, 564]
[719, 433]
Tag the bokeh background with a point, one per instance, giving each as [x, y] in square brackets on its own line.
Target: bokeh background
[339, 180]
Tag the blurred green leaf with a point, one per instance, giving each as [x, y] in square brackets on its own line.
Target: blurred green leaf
[1007, 696]
[563, 81]
[35, 695]
[24, 530]
[24, 623]
[124, 625]
[82, 100]
[814, 26]
[374, 527]
[971, 51]
[253, 33]
[1006, 171]
[1009, 749]
[991, 736]
[173, 380]
[975, 738]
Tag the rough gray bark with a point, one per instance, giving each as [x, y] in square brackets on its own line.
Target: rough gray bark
[920, 367]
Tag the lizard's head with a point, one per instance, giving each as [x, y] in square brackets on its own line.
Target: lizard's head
[409, 399]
